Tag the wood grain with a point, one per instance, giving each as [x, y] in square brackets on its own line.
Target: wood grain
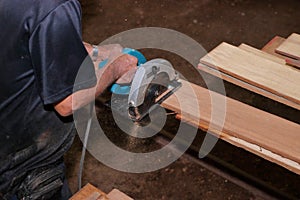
[253, 148]
[290, 47]
[242, 121]
[262, 53]
[255, 70]
[116, 194]
[248, 86]
[89, 192]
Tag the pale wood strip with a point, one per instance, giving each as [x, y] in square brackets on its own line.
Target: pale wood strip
[116, 194]
[242, 121]
[253, 148]
[260, 72]
[89, 192]
[295, 37]
[262, 53]
[248, 86]
[290, 47]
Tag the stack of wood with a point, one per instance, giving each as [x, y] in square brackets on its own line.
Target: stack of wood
[262, 71]
[90, 192]
[265, 72]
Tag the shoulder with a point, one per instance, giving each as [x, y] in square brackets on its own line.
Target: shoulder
[32, 12]
[44, 7]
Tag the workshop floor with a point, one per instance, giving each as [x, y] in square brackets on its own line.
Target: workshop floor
[209, 22]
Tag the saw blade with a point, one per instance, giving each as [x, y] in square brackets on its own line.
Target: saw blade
[158, 86]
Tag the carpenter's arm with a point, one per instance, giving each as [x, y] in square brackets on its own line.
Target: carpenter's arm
[105, 77]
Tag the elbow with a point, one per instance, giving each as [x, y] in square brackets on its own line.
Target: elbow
[64, 108]
[63, 111]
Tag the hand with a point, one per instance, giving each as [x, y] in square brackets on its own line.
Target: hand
[109, 51]
[124, 64]
[127, 77]
[104, 51]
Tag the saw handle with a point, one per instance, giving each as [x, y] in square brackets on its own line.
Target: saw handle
[124, 89]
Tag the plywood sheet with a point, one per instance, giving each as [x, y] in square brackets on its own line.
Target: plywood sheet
[254, 126]
[255, 70]
[290, 47]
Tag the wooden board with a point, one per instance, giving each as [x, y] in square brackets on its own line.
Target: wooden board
[271, 46]
[253, 148]
[290, 47]
[118, 195]
[255, 70]
[90, 192]
[248, 86]
[243, 122]
[262, 54]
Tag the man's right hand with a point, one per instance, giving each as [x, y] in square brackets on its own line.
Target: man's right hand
[123, 64]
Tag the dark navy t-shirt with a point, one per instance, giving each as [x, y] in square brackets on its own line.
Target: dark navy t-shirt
[41, 52]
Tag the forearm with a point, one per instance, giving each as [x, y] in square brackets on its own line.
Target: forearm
[105, 77]
[83, 97]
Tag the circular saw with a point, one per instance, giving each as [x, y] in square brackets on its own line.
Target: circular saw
[153, 82]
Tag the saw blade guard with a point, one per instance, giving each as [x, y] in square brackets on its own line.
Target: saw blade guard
[157, 72]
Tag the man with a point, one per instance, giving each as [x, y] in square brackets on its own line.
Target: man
[41, 53]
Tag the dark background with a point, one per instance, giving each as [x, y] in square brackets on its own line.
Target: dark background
[209, 22]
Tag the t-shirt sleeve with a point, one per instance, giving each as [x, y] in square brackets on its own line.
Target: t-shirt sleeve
[57, 54]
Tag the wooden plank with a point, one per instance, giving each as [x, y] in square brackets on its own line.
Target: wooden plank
[248, 86]
[89, 192]
[293, 62]
[116, 194]
[271, 46]
[262, 53]
[253, 148]
[260, 72]
[243, 122]
[290, 47]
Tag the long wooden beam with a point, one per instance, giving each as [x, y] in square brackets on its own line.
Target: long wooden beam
[274, 138]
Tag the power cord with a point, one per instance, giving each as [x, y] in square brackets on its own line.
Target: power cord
[85, 141]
